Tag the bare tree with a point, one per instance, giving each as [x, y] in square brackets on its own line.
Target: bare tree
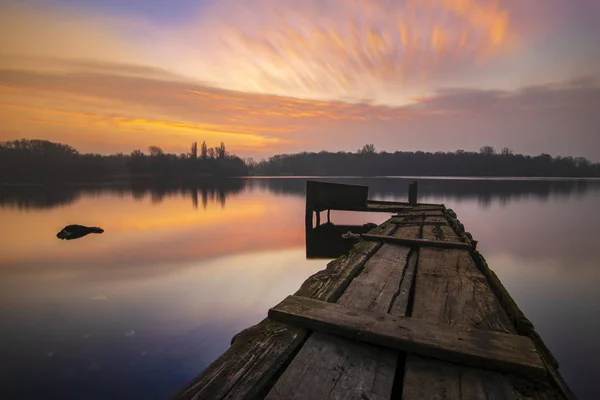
[506, 151]
[194, 150]
[221, 151]
[204, 151]
[155, 151]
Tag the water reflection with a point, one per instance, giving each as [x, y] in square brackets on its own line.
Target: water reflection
[484, 191]
[326, 240]
[40, 196]
[212, 190]
[139, 310]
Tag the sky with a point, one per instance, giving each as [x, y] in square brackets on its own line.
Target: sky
[278, 76]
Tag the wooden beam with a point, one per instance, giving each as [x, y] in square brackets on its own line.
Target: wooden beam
[416, 242]
[486, 349]
[398, 222]
[419, 214]
[413, 190]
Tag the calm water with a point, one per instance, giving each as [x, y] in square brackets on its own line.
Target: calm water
[140, 310]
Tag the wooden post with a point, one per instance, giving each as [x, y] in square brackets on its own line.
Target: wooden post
[318, 218]
[328, 216]
[308, 214]
[413, 190]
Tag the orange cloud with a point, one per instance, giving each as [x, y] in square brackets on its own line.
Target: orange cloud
[132, 112]
[349, 48]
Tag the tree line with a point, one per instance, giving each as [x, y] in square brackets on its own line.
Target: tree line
[44, 161]
[368, 162]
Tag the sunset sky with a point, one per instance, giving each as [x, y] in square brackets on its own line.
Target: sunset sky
[275, 76]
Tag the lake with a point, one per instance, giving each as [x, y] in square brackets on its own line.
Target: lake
[140, 310]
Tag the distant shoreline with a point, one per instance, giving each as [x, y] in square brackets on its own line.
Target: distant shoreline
[127, 180]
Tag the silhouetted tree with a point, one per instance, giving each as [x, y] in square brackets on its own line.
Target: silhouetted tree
[487, 150]
[155, 151]
[194, 151]
[367, 149]
[221, 151]
[204, 151]
[506, 151]
[460, 163]
[44, 161]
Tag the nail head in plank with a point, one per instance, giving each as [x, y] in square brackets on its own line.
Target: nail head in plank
[485, 349]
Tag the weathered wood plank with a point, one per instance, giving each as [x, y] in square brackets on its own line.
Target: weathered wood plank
[443, 232]
[255, 356]
[417, 242]
[426, 378]
[402, 222]
[420, 206]
[258, 354]
[324, 195]
[486, 349]
[334, 368]
[365, 371]
[450, 290]
[417, 214]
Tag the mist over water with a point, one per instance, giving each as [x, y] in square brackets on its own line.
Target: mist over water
[181, 268]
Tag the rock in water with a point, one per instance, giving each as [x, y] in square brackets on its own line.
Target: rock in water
[76, 231]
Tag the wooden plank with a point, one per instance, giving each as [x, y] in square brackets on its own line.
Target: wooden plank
[258, 354]
[324, 195]
[364, 371]
[450, 290]
[426, 378]
[443, 232]
[415, 222]
[413, 191]
[485, 349]
[416, 242]
[406, 204]
[416, 214]
[254, 358]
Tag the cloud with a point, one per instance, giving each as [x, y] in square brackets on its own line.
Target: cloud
[120, 113]
[278, 76]
[319, 49]
[336, 49]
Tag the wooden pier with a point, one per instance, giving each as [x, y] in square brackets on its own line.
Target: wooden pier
[412, 312]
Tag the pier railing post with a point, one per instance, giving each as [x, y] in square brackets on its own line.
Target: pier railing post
[413, 191]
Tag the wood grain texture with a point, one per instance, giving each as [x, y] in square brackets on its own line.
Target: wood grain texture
[426, 378]
[442, 232]
[486, 349]
[449, 289]
[364, 371]
[241, 372]
[415, 222]
[416, 242]
[248, 369]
